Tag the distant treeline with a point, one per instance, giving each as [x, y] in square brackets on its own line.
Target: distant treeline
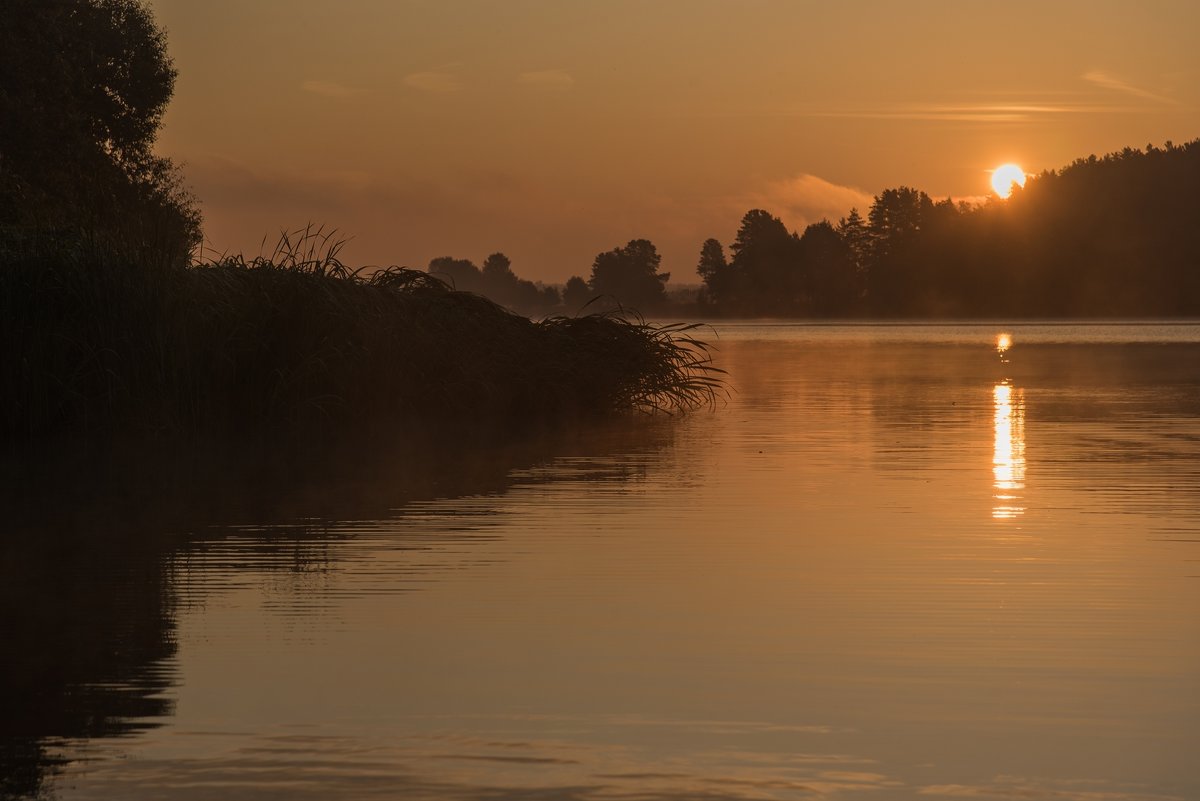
[1102, 237]
[497, 281]
[1111, 236]
[626, 275]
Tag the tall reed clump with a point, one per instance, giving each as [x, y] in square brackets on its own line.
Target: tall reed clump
[298, 341]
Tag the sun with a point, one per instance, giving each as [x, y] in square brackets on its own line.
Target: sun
[1003, 178]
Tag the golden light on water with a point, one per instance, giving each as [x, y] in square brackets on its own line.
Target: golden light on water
[1008, 452]
[1003, 343]
[1005, 176]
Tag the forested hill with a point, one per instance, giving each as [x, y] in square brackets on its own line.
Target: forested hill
[1112, 236]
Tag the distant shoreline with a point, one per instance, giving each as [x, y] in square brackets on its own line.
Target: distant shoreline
[101, 346]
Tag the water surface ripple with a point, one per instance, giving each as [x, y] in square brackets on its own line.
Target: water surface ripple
[900, 563]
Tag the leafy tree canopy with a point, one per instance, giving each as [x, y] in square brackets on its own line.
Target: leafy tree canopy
[576, 294]
[761, 237]
[498, 267]
[83, 88]
[630, 275]
[462, 274]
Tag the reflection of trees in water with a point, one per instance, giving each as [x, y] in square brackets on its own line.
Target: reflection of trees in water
[912, 392]
[1097, 383]
[925, 400]
[93, 545]
[87, 643]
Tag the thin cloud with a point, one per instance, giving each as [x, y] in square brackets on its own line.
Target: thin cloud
[230, 182]
[331, 89]
[554, 79]
[1005, 787]
[433, 82]
[1111, 82]
[973, 201]
[805, 199]
[972, 112]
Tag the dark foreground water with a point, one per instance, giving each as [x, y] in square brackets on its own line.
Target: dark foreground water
[900, 563]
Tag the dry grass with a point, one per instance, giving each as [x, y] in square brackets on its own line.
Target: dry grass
[296, 340]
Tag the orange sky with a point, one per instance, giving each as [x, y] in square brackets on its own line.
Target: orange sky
[554, 129]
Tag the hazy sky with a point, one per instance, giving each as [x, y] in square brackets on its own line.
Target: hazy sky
[554, 129]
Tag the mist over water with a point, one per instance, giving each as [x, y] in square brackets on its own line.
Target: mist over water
[901, 562]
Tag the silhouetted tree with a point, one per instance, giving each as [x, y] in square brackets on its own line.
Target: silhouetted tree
[462, 274]
[83, 87]
[765, 267]
[834, 286]
[895, 222]
[497, 268]
[714, 271]
[501, 284]
[895, 219]
[853, 229]
[549, 297]
[939, 272]
[630, 275]
[576, 294]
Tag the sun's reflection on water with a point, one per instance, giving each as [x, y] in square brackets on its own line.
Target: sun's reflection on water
[1008, 454]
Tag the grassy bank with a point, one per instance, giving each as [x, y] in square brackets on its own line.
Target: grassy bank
[298, 342]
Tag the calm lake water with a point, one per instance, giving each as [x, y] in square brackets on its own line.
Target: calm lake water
[900, 563]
